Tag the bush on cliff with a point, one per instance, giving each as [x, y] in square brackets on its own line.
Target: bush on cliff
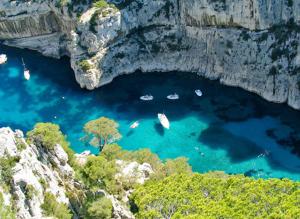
[48, 135]
[6, 212]
[101, 208]
[84, 65]
[217, 195]
[6, 171]
[99, 173]
[52, 208]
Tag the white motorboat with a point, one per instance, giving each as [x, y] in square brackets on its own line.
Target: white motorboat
[135, 125]
[163, 120]
[199, 93]
[26, 71]
[146, 97]
[3, 59]
[173, 96]
[26, 74]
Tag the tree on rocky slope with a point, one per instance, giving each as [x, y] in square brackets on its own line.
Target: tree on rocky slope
[100, 132]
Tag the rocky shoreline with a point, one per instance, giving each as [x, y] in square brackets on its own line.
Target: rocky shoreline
[249, 44]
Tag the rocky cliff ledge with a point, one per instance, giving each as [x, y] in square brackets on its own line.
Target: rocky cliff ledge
[252, 44]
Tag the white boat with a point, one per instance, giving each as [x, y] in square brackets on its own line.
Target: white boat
[26, 71]
[173, 96]
[3, 59]
[163, 120]
[26, 74]
[199, 93]
[135, 125]
[146, 97]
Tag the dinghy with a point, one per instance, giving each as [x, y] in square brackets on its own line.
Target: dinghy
[135, 125]
[3, 59]
[173, 96]
[163, 120]
[26, 71]
[199, 93]
[146, 97]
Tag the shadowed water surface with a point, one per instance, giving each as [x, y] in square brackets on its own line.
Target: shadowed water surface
[226, 129]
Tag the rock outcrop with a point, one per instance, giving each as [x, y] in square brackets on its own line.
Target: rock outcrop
[35, 172]
[250, 44]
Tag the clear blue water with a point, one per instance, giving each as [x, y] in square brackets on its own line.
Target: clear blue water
[227, 129]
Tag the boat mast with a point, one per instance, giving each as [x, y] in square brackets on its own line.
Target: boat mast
[23, 63]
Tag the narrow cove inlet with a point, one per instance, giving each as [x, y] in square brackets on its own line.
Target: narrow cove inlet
[226, 129]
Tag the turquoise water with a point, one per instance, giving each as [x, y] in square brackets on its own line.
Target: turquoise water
[227, 129]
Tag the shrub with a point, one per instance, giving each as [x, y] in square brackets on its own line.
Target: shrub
[48, 135]
[20, 144]
[100, 173]
[52, 208]
[84, 65]
[6, 212]
[101, 208]
[43, 183]
[101, 4]
[6, 172]
[30, 191]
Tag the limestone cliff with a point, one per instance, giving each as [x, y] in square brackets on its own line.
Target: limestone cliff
[35, 172]
[253, 44]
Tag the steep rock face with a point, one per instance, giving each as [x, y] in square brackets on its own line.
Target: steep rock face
[36, 24]
[252, 44]
[36, 172]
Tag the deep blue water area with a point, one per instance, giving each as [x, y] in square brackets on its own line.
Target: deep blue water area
[226, 129]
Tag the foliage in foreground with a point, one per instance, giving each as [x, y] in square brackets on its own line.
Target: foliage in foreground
[217, 195]
[52, 208]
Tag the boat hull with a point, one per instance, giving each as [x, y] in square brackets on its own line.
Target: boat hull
[163, 120]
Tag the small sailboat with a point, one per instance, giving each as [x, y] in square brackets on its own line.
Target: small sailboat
[134, 125]
[3, 59]
[26, 71]
[163, 120]
[146, 97]
[199, 93]
[173, 96]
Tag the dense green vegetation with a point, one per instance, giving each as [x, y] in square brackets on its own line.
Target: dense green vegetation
[6, 165]
[217, 195]
[52, 208]
[100, 208]
[48, 135]
[101, 131]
